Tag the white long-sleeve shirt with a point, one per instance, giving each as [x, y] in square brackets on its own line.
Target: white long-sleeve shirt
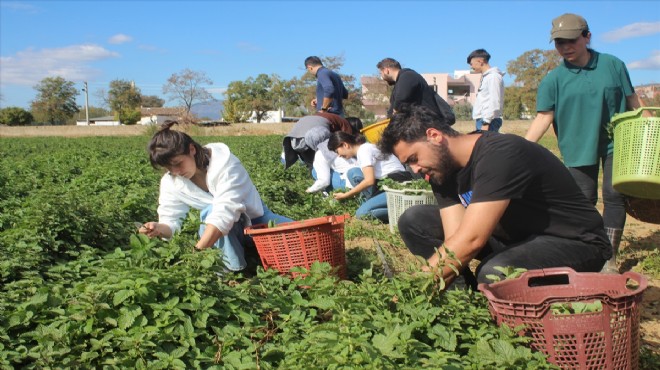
[231, 192]
[490, 97]
[324, 162]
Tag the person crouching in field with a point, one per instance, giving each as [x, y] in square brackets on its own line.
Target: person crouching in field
[211, 179]
[371, 167]
[497, 204]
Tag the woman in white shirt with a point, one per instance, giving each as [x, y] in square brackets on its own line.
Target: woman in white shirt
[372, 166]
[330, 170]
[212, 180]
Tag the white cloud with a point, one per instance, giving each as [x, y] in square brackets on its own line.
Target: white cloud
[652, 62]
[632, 30]
[19, 6]
[152, 49]
[120, 38]
[217, 90]
[246, 46]
[30, 66]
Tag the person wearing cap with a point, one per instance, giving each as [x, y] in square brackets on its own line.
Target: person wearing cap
[330, 90]
[488, 108]
[578, 98]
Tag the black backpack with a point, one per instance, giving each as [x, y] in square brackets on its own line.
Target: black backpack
[445, 109]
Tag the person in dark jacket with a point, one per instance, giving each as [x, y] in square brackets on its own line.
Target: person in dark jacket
[411, 88]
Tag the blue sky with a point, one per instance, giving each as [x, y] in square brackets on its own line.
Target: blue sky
[147, 41]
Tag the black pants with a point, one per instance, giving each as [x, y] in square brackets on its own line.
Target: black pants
[614, 212]
[421, 229]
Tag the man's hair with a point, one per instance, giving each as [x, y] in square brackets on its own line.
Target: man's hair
[313, 61]
[388, 63]
[409, 124]
[479, 53]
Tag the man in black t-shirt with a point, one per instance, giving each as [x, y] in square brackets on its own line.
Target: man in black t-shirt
[411, 88]
[502, 200]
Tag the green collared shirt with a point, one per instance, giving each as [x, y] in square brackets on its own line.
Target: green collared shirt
[583, 100]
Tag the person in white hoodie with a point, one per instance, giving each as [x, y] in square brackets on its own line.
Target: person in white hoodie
[211, 179]
[487, 110]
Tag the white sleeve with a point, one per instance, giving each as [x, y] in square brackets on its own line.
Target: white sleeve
[171, 210]
[232, 189]
[322, 169]
[494, 100]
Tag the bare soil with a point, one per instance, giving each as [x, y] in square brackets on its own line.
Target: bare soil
[640, 238]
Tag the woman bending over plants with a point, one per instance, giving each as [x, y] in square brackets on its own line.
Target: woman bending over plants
[372, 166]
[211, 179]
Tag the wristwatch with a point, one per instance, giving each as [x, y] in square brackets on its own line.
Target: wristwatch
[324, 109]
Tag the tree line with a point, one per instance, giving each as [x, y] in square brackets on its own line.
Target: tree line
[55, 102]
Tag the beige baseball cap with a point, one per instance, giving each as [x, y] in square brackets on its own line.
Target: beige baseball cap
[568, 26]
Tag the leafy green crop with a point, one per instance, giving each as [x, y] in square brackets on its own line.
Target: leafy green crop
[80, 289]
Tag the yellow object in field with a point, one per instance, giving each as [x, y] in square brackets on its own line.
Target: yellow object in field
[374, 131]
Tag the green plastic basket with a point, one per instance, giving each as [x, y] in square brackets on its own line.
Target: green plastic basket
[636, 167]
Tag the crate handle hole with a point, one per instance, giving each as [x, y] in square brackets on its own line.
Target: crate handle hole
[548, 280]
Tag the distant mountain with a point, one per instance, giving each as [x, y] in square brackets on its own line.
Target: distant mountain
[207, 110]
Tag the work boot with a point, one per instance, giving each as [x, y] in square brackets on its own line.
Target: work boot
[614, 235]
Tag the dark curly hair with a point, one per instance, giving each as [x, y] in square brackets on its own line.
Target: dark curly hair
[409, 124]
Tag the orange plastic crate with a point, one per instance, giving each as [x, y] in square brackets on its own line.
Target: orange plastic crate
[301, 243]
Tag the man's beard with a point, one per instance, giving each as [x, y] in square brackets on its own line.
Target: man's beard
[445, 166]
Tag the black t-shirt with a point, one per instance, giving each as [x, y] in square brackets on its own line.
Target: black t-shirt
[412, 88]
[544, 198]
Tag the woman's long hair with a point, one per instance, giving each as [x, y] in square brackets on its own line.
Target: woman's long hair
[338, 138]
[167, 144]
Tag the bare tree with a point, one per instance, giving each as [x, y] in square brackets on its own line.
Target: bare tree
[187, 87]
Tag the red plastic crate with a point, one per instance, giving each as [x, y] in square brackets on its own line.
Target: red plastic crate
[301, 243]
[608, 339]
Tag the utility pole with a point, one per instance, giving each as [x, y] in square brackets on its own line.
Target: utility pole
[86, 90]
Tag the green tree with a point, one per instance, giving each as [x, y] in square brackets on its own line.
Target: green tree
[187, 87]
[15, 116]
[529, 69]
[513, 104]
[254, 95]
[462, 111]
[231, 112]
[124, 100]
[55, 101]
[152, 101]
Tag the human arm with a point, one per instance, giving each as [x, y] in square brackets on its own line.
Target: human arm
[495, 91]
[231, 189]
[634, 101]
[406, 90]
[540, 125]
[369, 180]
[474, 229]
[324, 79]
[327, 103]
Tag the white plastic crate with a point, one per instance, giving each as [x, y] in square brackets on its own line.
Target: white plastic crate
[400, 200]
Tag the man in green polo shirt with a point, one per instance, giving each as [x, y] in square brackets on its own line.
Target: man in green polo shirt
[579, 97]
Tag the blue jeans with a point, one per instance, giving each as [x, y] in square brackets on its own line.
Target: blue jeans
[375, 203]
[494, 125]
[336, 182]
[233, 244]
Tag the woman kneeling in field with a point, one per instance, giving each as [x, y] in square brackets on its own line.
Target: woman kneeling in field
[372, 166]
[213, 180]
